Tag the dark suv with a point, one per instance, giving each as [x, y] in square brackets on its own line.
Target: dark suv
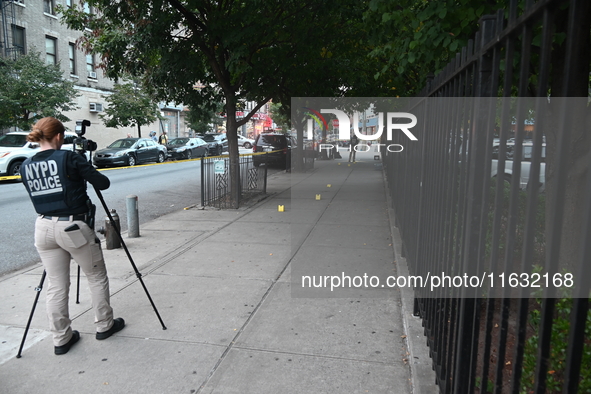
[279, 147]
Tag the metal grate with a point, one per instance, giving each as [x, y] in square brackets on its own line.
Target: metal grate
[215, 180]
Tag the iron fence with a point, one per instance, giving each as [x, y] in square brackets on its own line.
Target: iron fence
[216, 185]
[463, 180]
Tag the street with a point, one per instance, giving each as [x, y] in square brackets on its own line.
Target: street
[160, 189]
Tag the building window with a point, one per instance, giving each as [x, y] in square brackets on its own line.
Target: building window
[90, 62]
[87, 8]
[18, 39]
[72, 54]
[50, 50]
[90, 66]
[49, 7]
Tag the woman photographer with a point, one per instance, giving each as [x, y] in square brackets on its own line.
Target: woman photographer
[56, 182]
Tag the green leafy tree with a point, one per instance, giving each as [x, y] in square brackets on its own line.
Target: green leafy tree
[201, 117]
[129, 105]
[238, 51]
[415, 38]
[31, 89]
[279, 116]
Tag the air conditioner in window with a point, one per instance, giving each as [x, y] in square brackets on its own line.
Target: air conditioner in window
[96, 107]
[92, 74]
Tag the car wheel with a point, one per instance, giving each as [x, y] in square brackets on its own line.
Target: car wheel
[247, 145]
[205, 153]
[189, 154]
[15, 168]
[220, 150]
[131, 161]
[160, 157]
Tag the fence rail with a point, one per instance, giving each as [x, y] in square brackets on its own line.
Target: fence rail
[511, 339]
[216, 185]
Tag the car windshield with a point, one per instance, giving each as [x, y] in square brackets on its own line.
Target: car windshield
[209, 137]
[13, 140]
[178, 141]
[124, 143]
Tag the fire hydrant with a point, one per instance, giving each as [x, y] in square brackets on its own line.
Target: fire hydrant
[111, 230]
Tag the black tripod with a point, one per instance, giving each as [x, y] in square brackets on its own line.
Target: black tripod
[137, 273]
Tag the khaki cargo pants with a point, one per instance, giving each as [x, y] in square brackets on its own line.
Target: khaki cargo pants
[55, 246]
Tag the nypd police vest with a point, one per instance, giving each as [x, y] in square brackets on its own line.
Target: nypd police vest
[49, 187]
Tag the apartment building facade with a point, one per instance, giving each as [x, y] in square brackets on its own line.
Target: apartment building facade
[34, 24]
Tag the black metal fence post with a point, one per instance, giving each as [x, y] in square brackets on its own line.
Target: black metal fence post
[202, 169]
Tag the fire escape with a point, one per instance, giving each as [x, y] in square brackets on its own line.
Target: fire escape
[7, 25]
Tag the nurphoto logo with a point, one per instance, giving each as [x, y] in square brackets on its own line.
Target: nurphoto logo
[390, 119]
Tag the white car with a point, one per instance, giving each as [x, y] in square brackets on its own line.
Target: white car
[222, 139]
[245, 142]
[14, 149]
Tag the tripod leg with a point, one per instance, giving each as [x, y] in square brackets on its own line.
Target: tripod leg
[78, 287]
[38, 290]
[137, 272]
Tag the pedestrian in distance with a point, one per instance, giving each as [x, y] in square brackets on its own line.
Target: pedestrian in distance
[56, 182]
[163, 139]
[352, 145]
[153, 136]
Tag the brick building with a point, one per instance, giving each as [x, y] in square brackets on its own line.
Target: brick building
[28, 24]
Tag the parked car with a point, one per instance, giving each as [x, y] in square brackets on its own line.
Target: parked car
[245, 142]
[279, 147]
[130, 151]
[14, 149]
[220, 139]
[187, 148]
[526, 158]
[213, 148]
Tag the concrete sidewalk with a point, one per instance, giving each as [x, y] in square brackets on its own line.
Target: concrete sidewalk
[239, 317]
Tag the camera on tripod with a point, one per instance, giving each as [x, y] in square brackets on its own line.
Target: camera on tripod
[81, 144]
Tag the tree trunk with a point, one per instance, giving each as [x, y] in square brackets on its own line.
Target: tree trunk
[232, 135]
[139, 131]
